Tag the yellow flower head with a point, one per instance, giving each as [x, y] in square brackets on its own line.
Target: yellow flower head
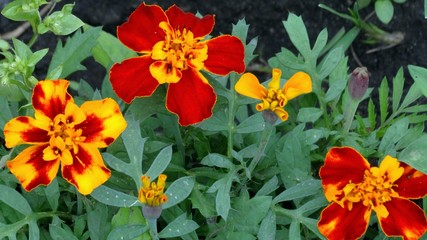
[274, 98]
[152, 193]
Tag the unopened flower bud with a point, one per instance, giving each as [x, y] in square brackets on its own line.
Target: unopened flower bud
[359, 81]
[151, 212]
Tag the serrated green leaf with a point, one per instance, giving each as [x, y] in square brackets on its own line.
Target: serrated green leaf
[286, 59]
[309, 114]
[398, 82]
[414, 154]
[306, 188]
[127, 232]
[180, 226]
[36, 57]
[15, 200]
[178, 191]
[217, 160]
[372, 117]
[393, 134]
[330, 62]
[383, 97]
[419, 74]
[267, 229]
[298, 34]
[114, 198]
[413, 94]
[384, 10]
[160, 163]
[76, 49]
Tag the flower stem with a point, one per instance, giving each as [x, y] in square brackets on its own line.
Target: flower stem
[178, 139]
[231, 114]
[152, 223]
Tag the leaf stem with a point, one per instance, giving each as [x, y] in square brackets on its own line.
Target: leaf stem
[231, 115]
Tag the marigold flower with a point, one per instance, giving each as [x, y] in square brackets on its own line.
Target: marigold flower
[173, 52]
[63, 134]
[355, 189]
[274, 98]
[151, 193]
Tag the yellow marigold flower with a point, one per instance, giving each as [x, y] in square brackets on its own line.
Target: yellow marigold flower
[152, 193]
[274, 98]
[64, 135]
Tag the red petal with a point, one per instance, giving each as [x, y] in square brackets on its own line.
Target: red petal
[412, 184]
[21, 130]
[405, 219]
[132, 78]
[342, 165]
[338, 223]
[30, 168]
[142, 31]
[200, 27]
[192, 98]
[225, 54]
[104, 122]
[50, 97]
[87, 171]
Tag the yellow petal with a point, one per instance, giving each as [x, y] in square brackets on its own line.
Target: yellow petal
[390, 166]
[88, 170]
[275, 79]
[249, 86]
[74, 114]
[31, 169]
[24, 129]
[165, 72]
[104, 122]
[299, 83]
[281, 113]
[158, 52]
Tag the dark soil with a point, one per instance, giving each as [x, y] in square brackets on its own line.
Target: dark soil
[265, 19]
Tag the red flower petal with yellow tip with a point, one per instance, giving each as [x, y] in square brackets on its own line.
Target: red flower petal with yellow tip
[142, 31]
[31, 169]
[300, 83]
[249, 86]
[338, 223]
[87, 171]
[104, 122]
[132, 78]
[406, 219]
[342, 166]
[51, 97]
[194, 107]
[22, 130]
[412, 184]
[225, 54]
[200, 27]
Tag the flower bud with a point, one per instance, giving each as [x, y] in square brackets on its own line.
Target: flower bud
[359, 81]
[151, 212]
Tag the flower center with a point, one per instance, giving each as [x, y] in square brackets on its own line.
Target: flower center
[375, 190]
[179, 50]
[64, 136]
[275, 99]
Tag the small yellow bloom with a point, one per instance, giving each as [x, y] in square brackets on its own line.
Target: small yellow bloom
[274, 98]
[152, 193]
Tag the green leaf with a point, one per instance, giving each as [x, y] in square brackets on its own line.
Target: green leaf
[5, 113]
[384, 10]
[413, 94]
[363, 3]
[267, 229]
[268, 187]
[383, 96]
[414, 154]
[309, 114]
[248, 213]
[372, 117]
[330, 62]
[127, 232]
[222, 200]
[14, 200]
[419, 74]
[160, 163]
[425, 8]
[97, 222]
[398, 82]
[216, 123]
[254, 123]
[320, 43]
[286, 59]
[178, 191]
[311, 224]
[114, 198]
[36, 57]
[393, 134]
[203, 202]
[180, 226]
[240, 30]
[77, 48]
[58, 233]
[217, 160]
[33, 231]
[109, 50]
[306, 188]
[52, 194]
[344, 42]
[20, 10]
[337, 81]
[294, 230]
[298, 34]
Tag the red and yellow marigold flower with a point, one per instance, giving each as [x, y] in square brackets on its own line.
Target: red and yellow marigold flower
[274, 98]
[64, 135]
[151, 193]
[354, 189]
[173, 51]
